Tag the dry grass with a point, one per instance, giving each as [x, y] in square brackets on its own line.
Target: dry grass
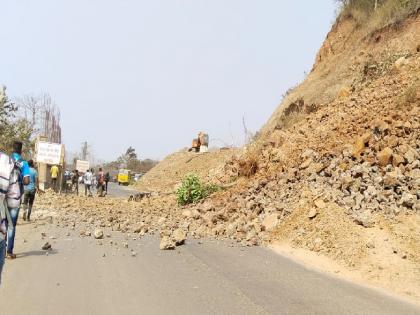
[386, 13]
[248, 164]
[411, 96]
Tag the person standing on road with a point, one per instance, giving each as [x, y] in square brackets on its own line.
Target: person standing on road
[6, 168]
[107, 179]
[88, 179]
[75, 182]
[30, 191]
[54, 176]
[20, 177]
[101, 183]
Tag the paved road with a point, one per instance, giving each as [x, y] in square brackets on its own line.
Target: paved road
[208, 278]
[115, 190]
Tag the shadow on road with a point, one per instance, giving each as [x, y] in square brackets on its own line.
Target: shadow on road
[36, 253]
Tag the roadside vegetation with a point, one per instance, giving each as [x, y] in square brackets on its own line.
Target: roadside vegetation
[193, 190]
[376, 14]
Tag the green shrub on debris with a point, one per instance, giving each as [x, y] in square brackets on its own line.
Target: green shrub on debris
[193, 190]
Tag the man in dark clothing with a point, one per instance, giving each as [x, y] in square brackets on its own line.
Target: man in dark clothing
[75, 181]
[107, 179]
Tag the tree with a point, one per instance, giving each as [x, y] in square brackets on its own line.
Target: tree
[131, 153]
[12, 127]
[130, 160]
[43, 115]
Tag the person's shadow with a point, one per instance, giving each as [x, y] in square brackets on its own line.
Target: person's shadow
[37, 253]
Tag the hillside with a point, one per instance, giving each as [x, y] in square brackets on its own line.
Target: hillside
[338, 162]
[338, 167]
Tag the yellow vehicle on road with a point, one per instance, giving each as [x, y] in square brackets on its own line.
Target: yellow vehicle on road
[124, 177]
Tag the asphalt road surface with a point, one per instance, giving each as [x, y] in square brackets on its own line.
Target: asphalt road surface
[120, 191]
[81, 276]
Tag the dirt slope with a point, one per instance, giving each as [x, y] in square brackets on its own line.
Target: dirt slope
[168, 173]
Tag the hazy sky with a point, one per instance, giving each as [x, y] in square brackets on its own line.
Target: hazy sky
[152, 74]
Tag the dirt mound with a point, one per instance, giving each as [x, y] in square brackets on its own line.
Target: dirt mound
[168, 173]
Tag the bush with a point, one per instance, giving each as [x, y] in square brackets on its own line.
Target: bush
[193, 190]
[379, 13]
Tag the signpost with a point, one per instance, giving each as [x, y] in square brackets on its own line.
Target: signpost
[82, 166]
[49, 153]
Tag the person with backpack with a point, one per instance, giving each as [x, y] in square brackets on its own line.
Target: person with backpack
[6, 168]
[20, 177]
[30, 191]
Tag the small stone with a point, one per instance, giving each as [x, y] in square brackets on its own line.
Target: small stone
[364, 219]
[370, 245]
[46, 246]
[270, 222]
[179, 236]
[401, 62]
[385, 156]
[360, 144]
[133, 254]
[397, 160]
[98, 234]
[305, 164]
[408, 200]
[187, 213]
[411, 155]
[320, 204]
[312, 213]
[166, 243]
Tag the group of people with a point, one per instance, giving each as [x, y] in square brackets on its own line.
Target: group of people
[18, 180]
[18, 187]
[91, 180]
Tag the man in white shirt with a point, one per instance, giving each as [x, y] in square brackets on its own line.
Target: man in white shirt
[88, 178]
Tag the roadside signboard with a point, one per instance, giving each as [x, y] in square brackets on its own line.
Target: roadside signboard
[82, 166]
[49, 153]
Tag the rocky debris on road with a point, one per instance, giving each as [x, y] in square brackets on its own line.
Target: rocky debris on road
[98, 234]
[47, 246]
[167, 243]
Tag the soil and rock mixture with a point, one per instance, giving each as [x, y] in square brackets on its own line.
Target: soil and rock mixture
[165, 176]
[335, 171]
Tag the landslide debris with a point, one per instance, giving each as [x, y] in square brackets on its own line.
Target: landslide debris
[165, 176]
[336, 170]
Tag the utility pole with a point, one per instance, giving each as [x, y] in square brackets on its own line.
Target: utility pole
[84, 151]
